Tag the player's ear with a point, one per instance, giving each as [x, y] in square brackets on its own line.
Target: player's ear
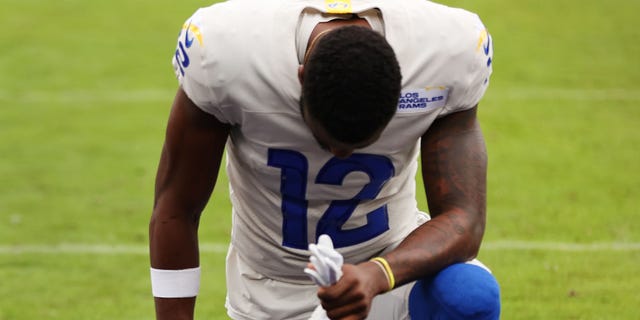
[301, 73]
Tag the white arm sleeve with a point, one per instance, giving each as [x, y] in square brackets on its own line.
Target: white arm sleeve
[473, 67]
[191, 67]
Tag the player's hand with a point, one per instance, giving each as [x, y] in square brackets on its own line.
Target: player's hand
[351, 297]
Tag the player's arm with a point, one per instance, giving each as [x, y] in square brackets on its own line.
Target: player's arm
[187, 172]
[454, 166]
[454, 169]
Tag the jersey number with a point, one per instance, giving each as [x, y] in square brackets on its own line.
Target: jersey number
[293, 187]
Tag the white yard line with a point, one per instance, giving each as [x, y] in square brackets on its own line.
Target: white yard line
[559, 246]
[123, 249]
[85, 96]
[572, 94]
[69, 248]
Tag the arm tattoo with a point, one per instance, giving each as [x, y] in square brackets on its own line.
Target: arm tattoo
[454, 163]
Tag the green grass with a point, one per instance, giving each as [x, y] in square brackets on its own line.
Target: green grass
[566, 285]
[85, 89]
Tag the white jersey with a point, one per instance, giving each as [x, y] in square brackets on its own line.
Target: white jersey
[238, 61]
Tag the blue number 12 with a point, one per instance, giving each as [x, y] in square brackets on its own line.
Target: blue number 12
[294, 172]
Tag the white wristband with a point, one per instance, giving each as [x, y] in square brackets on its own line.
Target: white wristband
[183, 283]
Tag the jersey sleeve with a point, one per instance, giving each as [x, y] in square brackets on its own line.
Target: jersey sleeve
[473, 67]
[191, 67]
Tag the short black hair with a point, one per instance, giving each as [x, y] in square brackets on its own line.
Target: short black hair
[351, 83]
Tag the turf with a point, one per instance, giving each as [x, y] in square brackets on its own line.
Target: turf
[86, 87]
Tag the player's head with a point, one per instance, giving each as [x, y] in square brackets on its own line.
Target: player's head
[350, 88]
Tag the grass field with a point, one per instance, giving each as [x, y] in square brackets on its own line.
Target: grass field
[85, 90]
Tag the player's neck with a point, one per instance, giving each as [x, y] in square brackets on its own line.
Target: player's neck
[323, 28]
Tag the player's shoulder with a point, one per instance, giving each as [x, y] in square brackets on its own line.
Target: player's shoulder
[459, 41]
[247, 10]
[223, 21]
[429, 15]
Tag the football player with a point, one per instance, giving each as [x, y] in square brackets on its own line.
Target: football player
[323, 108]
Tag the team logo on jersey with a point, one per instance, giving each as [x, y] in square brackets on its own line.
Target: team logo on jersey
[190, 33]
[338, 6]
[422, 99]
[485, 45]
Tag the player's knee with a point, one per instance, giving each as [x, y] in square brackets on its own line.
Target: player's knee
[461, 291]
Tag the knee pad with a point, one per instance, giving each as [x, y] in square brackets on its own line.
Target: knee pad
[459, 292]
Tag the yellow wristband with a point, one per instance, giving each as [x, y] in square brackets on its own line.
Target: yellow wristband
[387, 270]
